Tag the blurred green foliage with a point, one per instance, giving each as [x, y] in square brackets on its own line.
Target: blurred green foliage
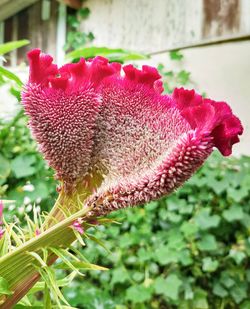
[189, 250]
[25, 178]
[75, 37]
[24, 175]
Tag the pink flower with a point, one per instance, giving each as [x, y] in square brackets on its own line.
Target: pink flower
[1, 216]
[37, 232]
[92, 122]
[1, 211]
[77, 225]
[1, 233]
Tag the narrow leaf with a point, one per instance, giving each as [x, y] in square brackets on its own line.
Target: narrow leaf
[9, 46]
[8, 74]
[4, 287]
[81, 265]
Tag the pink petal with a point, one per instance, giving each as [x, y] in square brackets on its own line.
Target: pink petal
[77, 225]
[214, 118]
[37, 232]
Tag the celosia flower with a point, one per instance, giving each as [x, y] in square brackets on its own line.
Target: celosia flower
[94, 122]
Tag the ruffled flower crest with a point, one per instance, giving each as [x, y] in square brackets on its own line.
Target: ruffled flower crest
[89, 119]
[63, 105]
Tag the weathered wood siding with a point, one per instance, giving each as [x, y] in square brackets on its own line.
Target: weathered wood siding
[9, 8]
[29, 24]
[152, 26]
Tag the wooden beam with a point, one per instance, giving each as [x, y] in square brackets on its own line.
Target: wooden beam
[75, 4]
[203, 43]
[10, 8]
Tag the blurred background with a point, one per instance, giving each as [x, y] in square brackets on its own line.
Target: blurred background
[192, 249]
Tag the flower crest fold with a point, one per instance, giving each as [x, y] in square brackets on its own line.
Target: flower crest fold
[94, 122]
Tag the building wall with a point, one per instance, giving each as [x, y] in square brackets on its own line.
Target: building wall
[151, 26]
[38, 23]
[221, 70]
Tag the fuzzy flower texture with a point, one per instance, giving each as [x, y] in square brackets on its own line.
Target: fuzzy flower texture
[99, 120]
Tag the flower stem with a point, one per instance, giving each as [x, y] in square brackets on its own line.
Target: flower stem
[17, 267]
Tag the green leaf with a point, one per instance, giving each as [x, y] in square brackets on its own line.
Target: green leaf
[200, 299]
[98, 241]
[227, 280]
[80, 265]
[47, 298]
[188, 290]
[64, 256]
[238, 194]
[233, 213]
[189, 229]
[185, 257]
[237, 255]
[41, 190]
[169, 287]
[209, 265]
[16, 93]
[138, 294]
[207, 243]
[165, 255]
[40, 286]
[138, 276]
[24, 302]
[144, 255]
[173, 284]
[117, 54]
[176, 55]
[83, 12]
[9, 46]
[23, 306]
[8, 74]
[4, 287]
[22, 165]
[152, 206]
[239, 292]
[120, 275]
[205, 221]
[245, 305]
[4, 169]
[219, 290]
[160, 285]
[183, 77]
[48, 276]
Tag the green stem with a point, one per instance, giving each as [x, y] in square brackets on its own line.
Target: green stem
[17, 267]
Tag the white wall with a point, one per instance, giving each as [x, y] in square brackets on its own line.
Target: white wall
[153, 25]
